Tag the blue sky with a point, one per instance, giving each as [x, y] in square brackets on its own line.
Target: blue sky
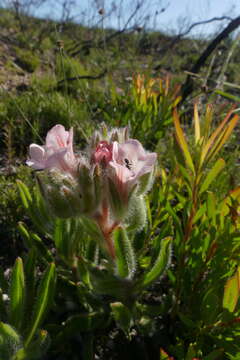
[198, 10]
[178, 15]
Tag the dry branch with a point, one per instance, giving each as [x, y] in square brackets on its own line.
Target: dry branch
[188, 85]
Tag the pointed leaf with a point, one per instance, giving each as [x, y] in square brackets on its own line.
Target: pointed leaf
[228, 95]
[41, 248]
[25, 235]
[232, 292]
[218, 166]
[227, 202]
[122, 316]
[182, 142]
[211, 207]
[207, 122]
[43, 301]
[125, 257]
[223, 138]
[24, 194]
[36, 350]
[161, 263]
[215, 135]
[196, 124]
[17, 294]
[10, 341]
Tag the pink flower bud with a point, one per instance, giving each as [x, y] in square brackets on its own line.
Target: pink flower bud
[103, 153]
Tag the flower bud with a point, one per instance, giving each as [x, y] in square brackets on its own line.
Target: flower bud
[95, 140]
[61, 193]
[120, 135]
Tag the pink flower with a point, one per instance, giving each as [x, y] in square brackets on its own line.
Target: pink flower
[129, 163]
[56, 153]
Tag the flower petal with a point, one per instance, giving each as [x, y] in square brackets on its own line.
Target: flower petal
[57, 153]
[37, 157]
[57, 137]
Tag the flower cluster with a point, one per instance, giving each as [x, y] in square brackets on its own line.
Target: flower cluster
[107, 182]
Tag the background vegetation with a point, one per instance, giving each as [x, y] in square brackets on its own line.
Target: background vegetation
[77, 75]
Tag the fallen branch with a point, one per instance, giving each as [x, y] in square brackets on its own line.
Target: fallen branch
[82, 77]
[178, 37]
[188, 85]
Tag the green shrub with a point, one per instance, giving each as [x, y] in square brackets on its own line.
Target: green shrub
[27, 60]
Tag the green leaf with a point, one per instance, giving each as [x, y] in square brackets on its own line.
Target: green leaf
[228, 95]
[104, 282]
[200, 213]
[36, 208]
[36, 349]
[211, 207]
[10, 341]
[17, 294]
[160, 265]
[206, 151]
[7, 331]
[83, 272]
[224, 137]
[232, 291]
[122, 315]
[182, 142]
[41, 248]
[125, 257]
[218, 166]
[43, 301]
[24, 194]
[196, 124]
[25, 235]
[33, 240]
